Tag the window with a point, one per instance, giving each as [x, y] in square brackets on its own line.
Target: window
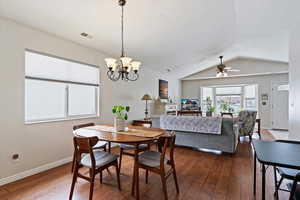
[230, 98]
[207, 95]
[57, 88]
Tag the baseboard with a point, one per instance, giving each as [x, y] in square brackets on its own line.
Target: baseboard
[34, 171]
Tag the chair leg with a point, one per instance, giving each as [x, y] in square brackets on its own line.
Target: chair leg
[147, 175]
[92, 185]
[104, 148]
[73, 182]
[101, 177]
[120, 160]
[175, 179]
[118, 175]
[164, 185]
[73, 162]
[292, 193]
[137, 183]
[275, 182]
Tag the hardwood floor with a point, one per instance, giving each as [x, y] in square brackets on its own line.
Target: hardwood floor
[200, 175]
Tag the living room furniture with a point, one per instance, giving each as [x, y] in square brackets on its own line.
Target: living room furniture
[190, 112]
[295, 188]
[142, 122]
[146, 98]
[124, 148]
[285, 173]
[171, 108]
[225, 142]
[95, 160]
[226, 114]
[107, 135]
[99, 145]
[272, 153]
[156, 162]
[246, 122]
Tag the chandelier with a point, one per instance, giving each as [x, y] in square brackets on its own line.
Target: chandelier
[124, 68]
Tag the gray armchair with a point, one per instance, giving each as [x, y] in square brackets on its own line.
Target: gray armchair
[246, 122]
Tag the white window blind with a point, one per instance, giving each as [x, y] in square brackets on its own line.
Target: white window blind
[57, 88]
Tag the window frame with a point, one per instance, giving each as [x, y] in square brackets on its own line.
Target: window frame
[67, 84]
[242, 94]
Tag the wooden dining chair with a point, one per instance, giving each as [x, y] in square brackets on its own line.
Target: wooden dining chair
[95, 160]
[126, 149]
[155, 161]
[99, 145]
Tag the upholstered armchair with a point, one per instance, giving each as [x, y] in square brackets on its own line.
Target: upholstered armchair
[246, 122]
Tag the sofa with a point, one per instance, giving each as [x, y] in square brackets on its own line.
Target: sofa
[226, 141]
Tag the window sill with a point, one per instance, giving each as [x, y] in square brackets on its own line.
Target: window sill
[60, 120]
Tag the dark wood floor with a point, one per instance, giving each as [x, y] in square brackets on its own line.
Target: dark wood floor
[201, 176]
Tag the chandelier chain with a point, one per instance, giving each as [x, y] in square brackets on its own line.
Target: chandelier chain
[122, 31]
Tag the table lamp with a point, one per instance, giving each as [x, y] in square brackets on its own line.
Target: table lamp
[146, 98]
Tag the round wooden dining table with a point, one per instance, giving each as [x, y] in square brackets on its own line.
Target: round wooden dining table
[112, 137]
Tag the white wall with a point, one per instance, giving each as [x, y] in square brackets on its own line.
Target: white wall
[191, 89]
[294, 112]
[40, 144]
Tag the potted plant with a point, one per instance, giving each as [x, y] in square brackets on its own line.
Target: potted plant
[210, 107]
[224, 107]
[210, 111]
[121, 115]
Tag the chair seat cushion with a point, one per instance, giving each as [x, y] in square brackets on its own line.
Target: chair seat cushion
[288, 173]
[151, 159]
[101, 157]
[131, 147]
[100, 144]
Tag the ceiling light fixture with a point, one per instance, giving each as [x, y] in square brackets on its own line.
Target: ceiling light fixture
[124, 68]
[222, 71]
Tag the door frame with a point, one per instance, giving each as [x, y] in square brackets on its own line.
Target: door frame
[272, 99]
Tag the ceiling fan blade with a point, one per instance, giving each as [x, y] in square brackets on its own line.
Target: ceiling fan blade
[233, 70]
[227, 68]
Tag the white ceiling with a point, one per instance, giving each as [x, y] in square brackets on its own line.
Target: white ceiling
[185, 36]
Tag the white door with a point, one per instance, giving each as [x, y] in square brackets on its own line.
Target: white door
[280, 106]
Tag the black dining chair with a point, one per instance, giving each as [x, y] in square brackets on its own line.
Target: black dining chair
[295, 189]
[285, 173]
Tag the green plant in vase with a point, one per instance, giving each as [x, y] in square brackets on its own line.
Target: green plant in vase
[121, 115]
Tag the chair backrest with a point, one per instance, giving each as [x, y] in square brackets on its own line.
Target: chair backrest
[248, 118]
[82, 126]
[228, 114]
[167, 140]
[84, 145]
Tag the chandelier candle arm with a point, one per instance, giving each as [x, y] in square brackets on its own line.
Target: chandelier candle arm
[124, 68]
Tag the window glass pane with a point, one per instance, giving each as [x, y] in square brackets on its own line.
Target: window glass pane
[82, 100]
[44, 100]
[250, 91]
[228, 103]
[48, 67]
[228, 90]
[207, 95]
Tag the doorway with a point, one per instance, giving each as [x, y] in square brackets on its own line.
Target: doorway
[280, 105]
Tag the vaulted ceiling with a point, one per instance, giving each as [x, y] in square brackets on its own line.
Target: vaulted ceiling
[184, 36]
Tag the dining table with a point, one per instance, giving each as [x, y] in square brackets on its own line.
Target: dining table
[134, 135]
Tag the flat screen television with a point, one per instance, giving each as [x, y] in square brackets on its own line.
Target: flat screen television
[190, 104]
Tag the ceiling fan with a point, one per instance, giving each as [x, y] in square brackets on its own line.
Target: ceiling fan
[222, 69]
